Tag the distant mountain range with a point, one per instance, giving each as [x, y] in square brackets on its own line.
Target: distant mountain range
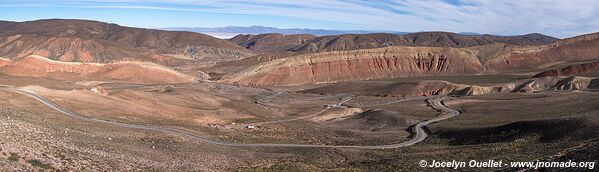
[230, 31]
[278, 43]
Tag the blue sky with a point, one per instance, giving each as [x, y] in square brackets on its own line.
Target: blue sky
[503, 17]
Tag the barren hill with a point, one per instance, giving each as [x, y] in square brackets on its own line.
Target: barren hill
[584, 68]
[135, 72]
[272, 42]
[402, 61]
[277, 43]
[577, 49]
[423, 39]
[389, 62]
[438, 87]
[91, 41]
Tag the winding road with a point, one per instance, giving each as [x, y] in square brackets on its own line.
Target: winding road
[343, 100]
[420, 135]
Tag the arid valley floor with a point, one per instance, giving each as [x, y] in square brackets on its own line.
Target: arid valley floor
[77, 103]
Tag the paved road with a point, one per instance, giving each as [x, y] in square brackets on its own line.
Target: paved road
[418, 129]
[446, 113]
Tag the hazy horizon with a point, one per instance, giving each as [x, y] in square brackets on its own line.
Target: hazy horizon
[555, 18]
[345, 85]
[227, 35]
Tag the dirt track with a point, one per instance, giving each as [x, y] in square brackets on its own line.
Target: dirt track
[435, 102]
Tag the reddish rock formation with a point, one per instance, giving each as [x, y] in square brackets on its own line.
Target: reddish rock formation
[4, 62]
[389, 62]
[576, 49]
[571, 70]
[73, 49]
[99, 90]
[136, 72]
[395, 61]
[90, 41]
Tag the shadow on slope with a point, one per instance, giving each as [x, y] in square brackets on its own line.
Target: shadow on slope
[377, 120]
[547, 130]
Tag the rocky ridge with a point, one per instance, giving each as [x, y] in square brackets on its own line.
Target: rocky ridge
[272, 42]
[389, 62]
[91, 41]
[401, 61]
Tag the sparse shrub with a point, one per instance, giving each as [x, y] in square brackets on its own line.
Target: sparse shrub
[14, 157]
[36, 163]
[245, 120]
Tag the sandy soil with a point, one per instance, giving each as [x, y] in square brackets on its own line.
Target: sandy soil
[37, 138]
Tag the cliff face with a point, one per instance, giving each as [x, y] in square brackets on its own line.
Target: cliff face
[90, 41]
[136, 72]
[389, 62]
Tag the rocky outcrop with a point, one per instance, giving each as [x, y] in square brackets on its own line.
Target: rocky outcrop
[4, 61]
[574, 83]
[99, 90]
[337, 113]
[479, 90]
[533, 85]
[133, 72]
[389, 62]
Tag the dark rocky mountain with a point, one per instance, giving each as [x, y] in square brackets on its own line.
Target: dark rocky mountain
[265, 30]
[424, 39]
[277, 43]
[272, 42]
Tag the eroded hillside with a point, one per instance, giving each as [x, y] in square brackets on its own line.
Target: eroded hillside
[401, 61]
[389, 62]
[440, 87]
[421, 39]
[133, 72]
[90, 41]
